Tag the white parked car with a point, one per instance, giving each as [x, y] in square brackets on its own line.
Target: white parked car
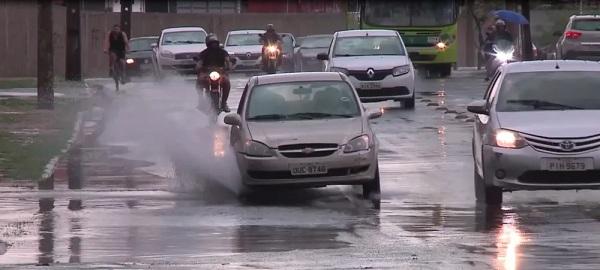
[177, 47]
[306, 129]
[376, 62]
[538, 128]
[245, 47]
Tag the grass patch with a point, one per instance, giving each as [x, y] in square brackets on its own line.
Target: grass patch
[18, 83]
[29, 140]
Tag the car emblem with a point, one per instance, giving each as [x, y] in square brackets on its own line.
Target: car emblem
[371, 73]
[248, 55]
[308, 151]
[567, 145]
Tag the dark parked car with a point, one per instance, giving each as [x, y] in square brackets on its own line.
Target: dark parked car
[306, 53]
[139, 57]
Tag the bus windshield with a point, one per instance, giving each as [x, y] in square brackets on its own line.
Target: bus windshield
[410, 13]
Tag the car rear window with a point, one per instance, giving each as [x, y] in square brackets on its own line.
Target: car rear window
[587, 25]
[550, 90]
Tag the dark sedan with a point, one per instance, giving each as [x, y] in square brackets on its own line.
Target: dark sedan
[139, 56]
[306, 53]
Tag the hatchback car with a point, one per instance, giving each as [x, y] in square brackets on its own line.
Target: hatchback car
[177, 47]
[308, 49]
[306, 129]
[376, 63]
[581, 39]
[139, 57]
[245, 47]
[537, 128]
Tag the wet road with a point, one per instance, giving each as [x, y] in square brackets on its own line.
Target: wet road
[153, 194]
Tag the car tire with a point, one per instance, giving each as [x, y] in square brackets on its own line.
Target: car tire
[489, 195]
[409, 103]
[372, 190]
[445, 70]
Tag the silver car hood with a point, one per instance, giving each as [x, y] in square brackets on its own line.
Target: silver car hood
[183, 48]
[243, 49]
[365, 62]
[276, 133]
[552, 124]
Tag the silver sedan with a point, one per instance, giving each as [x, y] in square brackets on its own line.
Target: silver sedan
[305, 129]
[537, 129]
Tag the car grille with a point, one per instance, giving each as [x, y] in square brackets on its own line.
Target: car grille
[181, 56]
[415, 56]
[307, 150]
[563, 145]
[288, 175]
[362, 75]
[547, 177]
[244, 56]
[394, 91]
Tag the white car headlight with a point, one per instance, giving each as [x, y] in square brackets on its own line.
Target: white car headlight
[360, 143]
[167, 54]
[257, 149]
[401, 70]
[508, 139]
[338, 69]
[129, 61]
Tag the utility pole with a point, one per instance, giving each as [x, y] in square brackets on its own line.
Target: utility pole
[526, 30]
[126, 16]
[73, 54]
[45, 55]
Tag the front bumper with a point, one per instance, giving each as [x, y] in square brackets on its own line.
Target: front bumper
[178, 65]
[247, 64]
[343, 169]
[523, 170]
[392, 88]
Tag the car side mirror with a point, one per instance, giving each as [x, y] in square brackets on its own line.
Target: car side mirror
[375, 114]
[323, 56]
[478, 107]
[557, 34]
[233, 119]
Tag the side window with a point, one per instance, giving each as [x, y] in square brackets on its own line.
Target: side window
[240, 109]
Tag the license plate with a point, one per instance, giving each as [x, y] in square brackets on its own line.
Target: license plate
[308, 169]
[567, 164]
[433, 39]
[370, 85]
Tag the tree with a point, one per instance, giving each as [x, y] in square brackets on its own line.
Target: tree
[45, 57]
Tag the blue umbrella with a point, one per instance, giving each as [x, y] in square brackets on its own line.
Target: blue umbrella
[510, 16]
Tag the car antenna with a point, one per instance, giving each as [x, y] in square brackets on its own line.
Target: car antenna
[557, 66]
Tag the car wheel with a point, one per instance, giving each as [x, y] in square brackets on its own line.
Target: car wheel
[409, 103]
[445, 70]
[372, 190]
[489, 195]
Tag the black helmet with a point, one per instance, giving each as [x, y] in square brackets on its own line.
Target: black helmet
[211, 38]
[270, 27]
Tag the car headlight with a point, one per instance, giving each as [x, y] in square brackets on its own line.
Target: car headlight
[401, 70]
[360, 143]
[441, 46]
[338, 69]
[129, 61]
[257, 149]
[167, 54]
[508, 139]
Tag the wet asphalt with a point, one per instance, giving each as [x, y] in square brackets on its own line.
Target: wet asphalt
[160, 190]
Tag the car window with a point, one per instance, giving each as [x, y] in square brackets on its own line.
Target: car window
[368, 45]
[587, 25]
[240, 108]
[141, 44]
[551, 90]
[243, 40]
[316, 42]
[184, 37]
[302, 101]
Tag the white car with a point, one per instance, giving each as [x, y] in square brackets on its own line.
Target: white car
[306, 129]
[244, 46]
[177, 47]
[377, 63]
[537, 128]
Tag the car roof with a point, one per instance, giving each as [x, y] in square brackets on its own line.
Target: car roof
[152, 37]
[239, 32]
[318, 36]
[551, 65]
[579, 17]
[183, 29]
[360, 33]
[297, 77]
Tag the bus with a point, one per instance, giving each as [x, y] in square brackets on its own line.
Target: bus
[428, 28]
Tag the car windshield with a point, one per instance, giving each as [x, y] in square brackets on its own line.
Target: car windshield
[302, 101]
[553, 90]
[316, 42]
[141, 44]
[587, 25]
[368, 45]
[243, 40]
[185, 37]
[410, 12]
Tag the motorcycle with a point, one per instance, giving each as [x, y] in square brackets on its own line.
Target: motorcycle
[210, 88]
[503, 52]
[271, 56]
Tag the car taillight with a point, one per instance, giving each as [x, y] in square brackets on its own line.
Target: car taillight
[572, 35]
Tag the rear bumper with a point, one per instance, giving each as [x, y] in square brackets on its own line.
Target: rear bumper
[392, 88]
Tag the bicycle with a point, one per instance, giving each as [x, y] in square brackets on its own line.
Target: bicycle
[117, 73]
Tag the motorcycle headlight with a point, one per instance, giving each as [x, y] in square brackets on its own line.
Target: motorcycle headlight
[338, 69]
[129, 61]
[401, 70]
[360, 143]
[272, 49]
[257, 149]
[508, 139]
[167, 54]
[214, 75]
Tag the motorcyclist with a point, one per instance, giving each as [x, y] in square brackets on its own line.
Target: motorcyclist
[502, 39]
[214, 57]
[270, 37]
[501, 33]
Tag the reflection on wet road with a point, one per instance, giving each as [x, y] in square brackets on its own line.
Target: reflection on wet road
[160, 190]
